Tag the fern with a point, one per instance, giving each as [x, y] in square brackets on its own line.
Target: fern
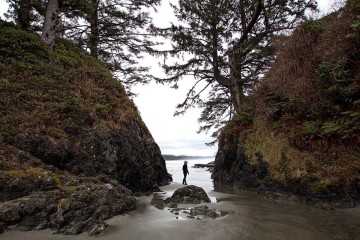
[311, 129]
[330, 128]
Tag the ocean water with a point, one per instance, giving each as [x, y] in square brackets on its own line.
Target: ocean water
[200, 177]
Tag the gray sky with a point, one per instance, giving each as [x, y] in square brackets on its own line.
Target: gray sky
[156, 103]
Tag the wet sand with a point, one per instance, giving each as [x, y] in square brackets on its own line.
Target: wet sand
[250, 216]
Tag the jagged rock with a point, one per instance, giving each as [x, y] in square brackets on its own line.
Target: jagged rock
[188, 194]
[127, 155]
[88, 206]
[31, 211]
[83, 210]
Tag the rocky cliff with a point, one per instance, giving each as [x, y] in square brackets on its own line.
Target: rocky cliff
[72, 143]
[298, 133]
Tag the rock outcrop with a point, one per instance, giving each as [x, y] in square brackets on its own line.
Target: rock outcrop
[129, 155]
[37, 196]
[72, 144]
[298, 132]
[189, 195]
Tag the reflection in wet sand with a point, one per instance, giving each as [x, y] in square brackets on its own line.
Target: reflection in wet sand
[250, 216]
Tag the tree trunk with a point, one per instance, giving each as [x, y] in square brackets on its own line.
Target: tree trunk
[237, 85]
[24, 14]
[51, 22]
[237, 94]
[94, 28]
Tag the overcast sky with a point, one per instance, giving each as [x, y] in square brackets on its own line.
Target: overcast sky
[156, 103]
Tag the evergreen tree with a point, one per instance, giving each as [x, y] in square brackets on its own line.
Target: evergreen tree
[227, 47]
[26, 13]
[114, 32]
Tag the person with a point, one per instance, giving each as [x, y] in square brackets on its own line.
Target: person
[185, 171]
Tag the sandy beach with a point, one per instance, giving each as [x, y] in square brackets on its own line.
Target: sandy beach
[250, 216]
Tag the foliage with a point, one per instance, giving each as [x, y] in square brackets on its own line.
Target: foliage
[226, 47]
[61, 92]
[114, 32]
[27, 14]
[306, 113]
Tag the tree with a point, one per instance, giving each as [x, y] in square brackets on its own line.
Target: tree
[227, 47]
[26, 13]
[114, 32]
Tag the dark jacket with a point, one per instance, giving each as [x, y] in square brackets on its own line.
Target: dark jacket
[185, 169]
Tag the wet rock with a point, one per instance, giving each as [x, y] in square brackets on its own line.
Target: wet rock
[89, 206]
[172, 205]
[204, 210]
[189, 195]
[31, 211]
[2, 227]
[77, 209]
[195, 212]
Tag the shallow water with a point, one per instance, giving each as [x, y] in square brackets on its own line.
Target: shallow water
[250, 216]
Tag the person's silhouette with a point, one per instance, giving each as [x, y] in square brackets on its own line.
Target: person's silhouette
[185, 171]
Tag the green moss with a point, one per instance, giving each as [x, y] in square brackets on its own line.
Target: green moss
[57, 179]
[64, 91]
[16, 173]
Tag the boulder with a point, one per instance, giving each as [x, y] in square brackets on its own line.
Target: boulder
[205, 211]
[189, 194]
[82, 209]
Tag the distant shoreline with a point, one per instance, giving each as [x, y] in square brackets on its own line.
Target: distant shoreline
[182, 157]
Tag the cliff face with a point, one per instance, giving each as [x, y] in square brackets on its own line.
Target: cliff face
[299, 132]
[69, 136]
